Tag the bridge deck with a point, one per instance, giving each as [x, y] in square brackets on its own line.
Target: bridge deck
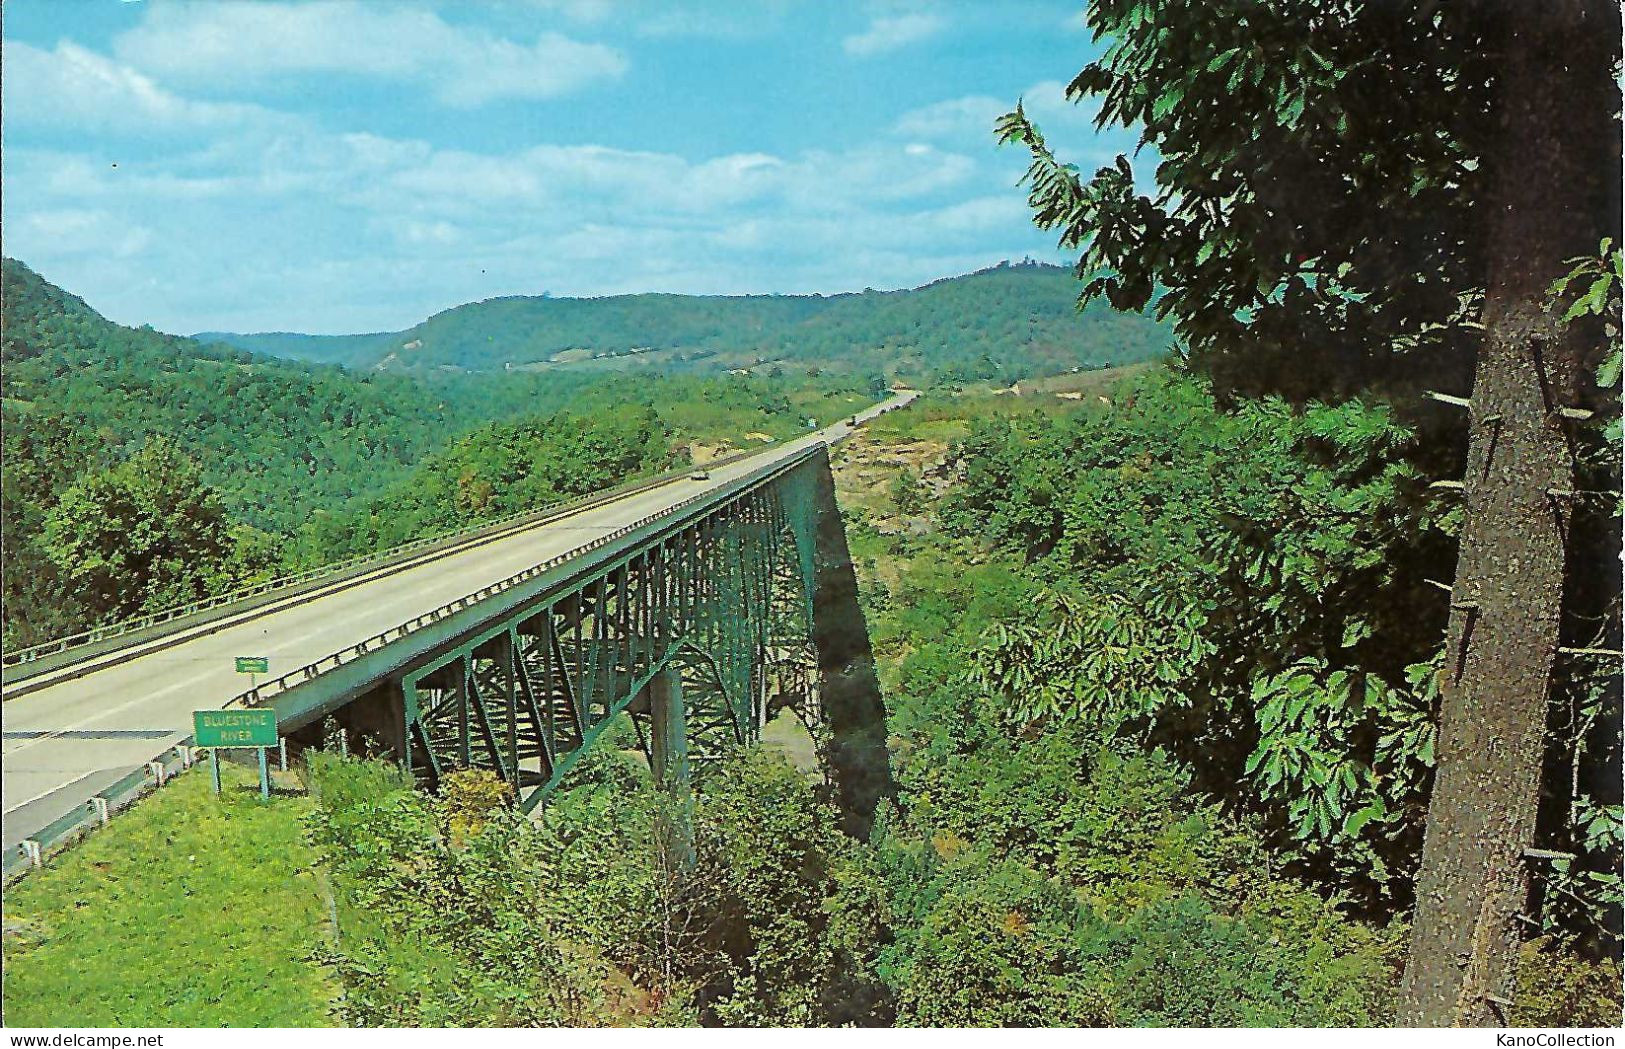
[69, 740]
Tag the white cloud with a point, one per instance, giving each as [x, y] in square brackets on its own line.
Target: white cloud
[987, 214]
[578, 10]
[955, 118]
[599, 182]
[1047, 101]
[661, 18]
[255, 43]
[72, 88]
[966, 123]
[79, 230]
[304, 229]
[888, 33]
[238, 217]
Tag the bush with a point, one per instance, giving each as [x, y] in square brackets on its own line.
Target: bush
[1000, 946]
[435, 932]
[1556, 989]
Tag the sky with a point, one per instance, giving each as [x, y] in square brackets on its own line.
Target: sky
[354, 166]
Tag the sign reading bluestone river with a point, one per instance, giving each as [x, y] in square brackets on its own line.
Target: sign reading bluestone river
[234, 728]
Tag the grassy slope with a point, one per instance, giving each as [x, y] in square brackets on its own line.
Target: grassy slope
[916, 442]
[712, 428]
[187, 911]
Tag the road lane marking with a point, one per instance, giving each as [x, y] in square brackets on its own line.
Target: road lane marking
[53, 790]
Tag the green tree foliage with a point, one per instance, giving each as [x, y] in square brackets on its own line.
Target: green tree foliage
[145, 535]
[906, 493]
[43, 453]
[312, 463]
[577, 922]
[1555, 992]
[278, 439]
[1335, 214]
[438, 929]
[1047, 881]
[1317, 197]
[1087, 831]
[499, 469]
[1242, 587]
[1583, 744]
[274, 440]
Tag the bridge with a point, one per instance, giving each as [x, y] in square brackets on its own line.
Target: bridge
[698, 605]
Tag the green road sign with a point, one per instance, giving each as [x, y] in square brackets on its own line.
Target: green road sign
[234, 728]
[253, 665]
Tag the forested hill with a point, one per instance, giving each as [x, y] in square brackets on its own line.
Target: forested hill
[1007, 323]
[279, 437]
[277, 440]
[144, 470]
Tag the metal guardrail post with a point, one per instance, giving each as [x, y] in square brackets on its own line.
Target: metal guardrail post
[31, 849]
[157, 770]
[102, 809]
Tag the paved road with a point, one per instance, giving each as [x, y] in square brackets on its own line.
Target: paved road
[66, 742]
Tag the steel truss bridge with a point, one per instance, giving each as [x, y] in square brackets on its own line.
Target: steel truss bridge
[700, 608]
[699, 624]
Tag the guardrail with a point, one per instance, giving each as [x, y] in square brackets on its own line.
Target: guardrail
[257, 695]
[78, 646]
[98, 810]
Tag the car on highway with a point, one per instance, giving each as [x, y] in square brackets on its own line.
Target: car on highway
[700, 475]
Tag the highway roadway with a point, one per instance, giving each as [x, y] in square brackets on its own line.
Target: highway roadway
[66, 742]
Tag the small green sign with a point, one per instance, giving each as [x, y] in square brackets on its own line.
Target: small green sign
[234, 728]
[253, 665]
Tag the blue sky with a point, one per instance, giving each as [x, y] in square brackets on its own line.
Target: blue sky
[357, 166]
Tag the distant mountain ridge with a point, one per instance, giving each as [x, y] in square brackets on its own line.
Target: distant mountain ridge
[1005, 322]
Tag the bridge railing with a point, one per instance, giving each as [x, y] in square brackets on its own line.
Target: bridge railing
[221, 605]
[260, 693]
[179, 757]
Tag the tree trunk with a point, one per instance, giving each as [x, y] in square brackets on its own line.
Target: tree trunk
[1552, 198]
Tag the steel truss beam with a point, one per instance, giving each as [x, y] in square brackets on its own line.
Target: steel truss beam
[724, 601]
[746, 601]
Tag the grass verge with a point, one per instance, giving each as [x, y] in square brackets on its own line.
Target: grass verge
[186, 911]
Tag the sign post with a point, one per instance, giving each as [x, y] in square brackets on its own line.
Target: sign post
[252, 665]
[216, 729]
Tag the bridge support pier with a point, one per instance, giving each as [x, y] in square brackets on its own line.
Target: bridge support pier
[668, 760]
[848, 687]
[374, 723]
[307, 737]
